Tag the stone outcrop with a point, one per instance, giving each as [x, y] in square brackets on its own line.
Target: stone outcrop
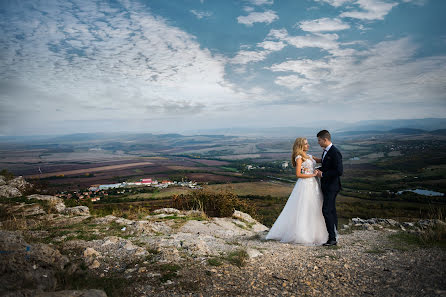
[9, 191]
[20, 183]
[14, 187]
[55, 203]
[77, 211]
[379, 223]
[24, 264]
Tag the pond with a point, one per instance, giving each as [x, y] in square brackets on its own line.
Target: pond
[422, 192]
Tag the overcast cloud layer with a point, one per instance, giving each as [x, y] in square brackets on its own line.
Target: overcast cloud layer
[84, 66]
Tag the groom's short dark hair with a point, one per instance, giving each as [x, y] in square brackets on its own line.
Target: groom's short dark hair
[324, 134]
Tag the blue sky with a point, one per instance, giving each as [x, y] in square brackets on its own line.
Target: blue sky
[172, 66]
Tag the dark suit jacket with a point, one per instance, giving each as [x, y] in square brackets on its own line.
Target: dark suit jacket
[332, 169]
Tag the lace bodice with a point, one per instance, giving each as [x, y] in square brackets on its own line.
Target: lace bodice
[308, 165]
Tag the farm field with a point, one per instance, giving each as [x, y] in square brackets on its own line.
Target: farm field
[90, 170]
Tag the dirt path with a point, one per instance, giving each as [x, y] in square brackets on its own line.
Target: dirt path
[365, 263]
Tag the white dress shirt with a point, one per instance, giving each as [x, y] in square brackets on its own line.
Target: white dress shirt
[326, 150]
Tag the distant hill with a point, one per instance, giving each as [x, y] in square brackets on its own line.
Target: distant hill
[260, 132]
[386, 125]
[406, 126]
[407, 131]
[438, 132]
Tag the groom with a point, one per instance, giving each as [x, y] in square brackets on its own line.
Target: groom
[330, 173]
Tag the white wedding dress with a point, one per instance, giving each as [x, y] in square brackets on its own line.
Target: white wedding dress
[301, 220]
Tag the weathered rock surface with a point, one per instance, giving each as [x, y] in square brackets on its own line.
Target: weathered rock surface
[77, 211]
[55, 203]
[25, 210]
[167, 211]
[73, 293]
[8, 191]
[13, 188]
[23, 264]
[20, 183]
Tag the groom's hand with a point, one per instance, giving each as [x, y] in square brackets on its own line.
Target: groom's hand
[318, 173]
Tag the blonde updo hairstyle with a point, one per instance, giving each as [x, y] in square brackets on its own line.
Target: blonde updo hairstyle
[298, 149]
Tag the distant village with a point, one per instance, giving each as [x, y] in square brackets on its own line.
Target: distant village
[96, 192]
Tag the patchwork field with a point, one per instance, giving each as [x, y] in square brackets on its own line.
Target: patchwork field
[375, 169]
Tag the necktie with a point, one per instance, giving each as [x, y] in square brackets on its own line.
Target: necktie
[323, 154]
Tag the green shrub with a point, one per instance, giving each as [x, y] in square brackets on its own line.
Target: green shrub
[215, 262]
[238, 257]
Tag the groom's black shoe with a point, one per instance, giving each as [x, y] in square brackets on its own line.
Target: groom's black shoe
[330, 243]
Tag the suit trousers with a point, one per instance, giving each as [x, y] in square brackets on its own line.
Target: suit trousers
[329, 212]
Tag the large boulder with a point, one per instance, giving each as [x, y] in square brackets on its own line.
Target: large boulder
[19, 183]
[25, 210]
[77, 211]
[8, 191]
[28, 265]
[166, 211]
[53, 202]
[243, 216]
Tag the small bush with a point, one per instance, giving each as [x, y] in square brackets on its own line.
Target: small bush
[215, 262]
[169, 271]
[238, 257]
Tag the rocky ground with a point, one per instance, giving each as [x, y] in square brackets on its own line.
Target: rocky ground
[48, 249]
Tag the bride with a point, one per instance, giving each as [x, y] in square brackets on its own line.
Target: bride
[301, 220]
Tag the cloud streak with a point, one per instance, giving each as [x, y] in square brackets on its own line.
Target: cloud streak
[201, 14]
[371, 10]
[267, 17]
[323, 25]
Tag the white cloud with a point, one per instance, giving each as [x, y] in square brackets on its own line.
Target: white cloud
[245, 57]
[318, 40]
[309, 69]
[268, 17]
[201, 14]
[323, 25]
[292, 81]
[371, 10]
[278, 34]
[323, 41]
[335, 3]
[248, 9]
[272, 45]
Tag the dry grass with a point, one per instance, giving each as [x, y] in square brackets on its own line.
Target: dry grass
[273, 189]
